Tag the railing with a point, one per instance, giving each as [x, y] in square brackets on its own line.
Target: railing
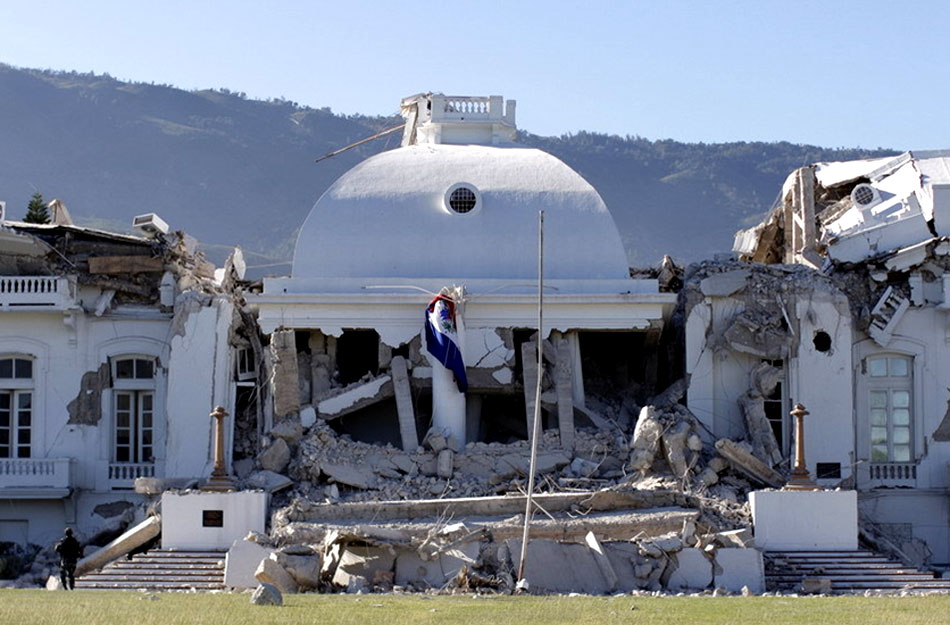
[449, 108]
[34, 473]
[122, 474]
[34, 292]
[892, 474]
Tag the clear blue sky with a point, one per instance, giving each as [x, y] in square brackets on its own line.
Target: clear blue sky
[833, 73]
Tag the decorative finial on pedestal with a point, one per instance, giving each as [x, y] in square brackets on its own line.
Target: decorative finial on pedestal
[220, 480]
[800, 480]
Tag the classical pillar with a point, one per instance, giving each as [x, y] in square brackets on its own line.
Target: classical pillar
[448, 403]
[220, 479]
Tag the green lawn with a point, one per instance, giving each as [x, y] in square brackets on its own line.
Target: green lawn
[28, 607]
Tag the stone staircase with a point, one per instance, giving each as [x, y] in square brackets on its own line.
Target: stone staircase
[847, 572]
[160, 569]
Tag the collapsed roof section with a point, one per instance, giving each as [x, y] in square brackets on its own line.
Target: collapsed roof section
[849, 212]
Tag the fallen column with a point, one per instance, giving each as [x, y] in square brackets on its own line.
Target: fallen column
[744, 461]
[563, 381]
[135, 537]
[404, 409]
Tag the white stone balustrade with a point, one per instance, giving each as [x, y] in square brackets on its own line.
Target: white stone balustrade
[123, 474]
[34, 473]
[471, 108]
[29, 292]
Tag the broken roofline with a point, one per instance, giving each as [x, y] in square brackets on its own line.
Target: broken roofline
[402, 313]
[22, 226]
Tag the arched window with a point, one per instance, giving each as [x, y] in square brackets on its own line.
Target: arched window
[16, 406]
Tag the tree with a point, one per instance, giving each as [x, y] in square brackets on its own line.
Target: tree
[37, 212]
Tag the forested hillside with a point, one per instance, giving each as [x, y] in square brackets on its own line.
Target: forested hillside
[233, 171]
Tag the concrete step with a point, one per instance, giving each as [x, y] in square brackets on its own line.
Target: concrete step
[848, 571]
[160, 569]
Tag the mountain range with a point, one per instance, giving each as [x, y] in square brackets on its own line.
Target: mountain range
[235, 171]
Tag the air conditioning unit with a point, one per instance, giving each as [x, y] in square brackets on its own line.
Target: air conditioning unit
[150, 224]
[864, 195]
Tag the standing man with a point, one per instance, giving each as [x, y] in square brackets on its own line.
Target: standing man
[69, 551]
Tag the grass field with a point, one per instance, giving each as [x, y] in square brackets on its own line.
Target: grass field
[29, 607]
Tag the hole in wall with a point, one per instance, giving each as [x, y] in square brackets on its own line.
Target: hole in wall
[822, 341]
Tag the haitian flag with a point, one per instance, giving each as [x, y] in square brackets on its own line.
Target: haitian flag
[442, 340]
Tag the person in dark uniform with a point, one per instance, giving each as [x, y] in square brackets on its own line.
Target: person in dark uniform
[69, 551]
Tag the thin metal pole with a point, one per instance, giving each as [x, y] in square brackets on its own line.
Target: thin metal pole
[536, 425]
[360, 142]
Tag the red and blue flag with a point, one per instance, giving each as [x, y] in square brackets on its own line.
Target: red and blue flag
[442, 339]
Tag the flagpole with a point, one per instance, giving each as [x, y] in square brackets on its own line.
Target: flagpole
[536, 423]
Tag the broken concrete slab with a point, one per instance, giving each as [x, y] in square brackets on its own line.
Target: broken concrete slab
[736, 538]
[241, 563]
[606, 569]
[359, 477]
[359, 565]
[724, 284]
[738, 568]
[744, 461]
[693, 570]
[434, 572]
[269, 481]
[356, 397]
[304, 569]
[270, 572]
[276, 457]
[557, 567]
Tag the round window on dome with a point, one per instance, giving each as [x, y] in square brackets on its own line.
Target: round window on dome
[462, 199]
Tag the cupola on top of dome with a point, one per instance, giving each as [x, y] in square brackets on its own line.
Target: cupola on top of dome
[458, 120]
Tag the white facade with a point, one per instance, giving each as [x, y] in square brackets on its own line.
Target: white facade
[114, 391]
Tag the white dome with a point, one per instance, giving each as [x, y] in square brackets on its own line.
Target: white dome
[388, 218]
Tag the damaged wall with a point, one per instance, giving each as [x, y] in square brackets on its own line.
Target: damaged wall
[739, 317]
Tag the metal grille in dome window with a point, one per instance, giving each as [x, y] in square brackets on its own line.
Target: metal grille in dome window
[863, 195]
[462, 200]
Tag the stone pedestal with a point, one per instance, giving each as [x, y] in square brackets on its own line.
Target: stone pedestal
[804, 520]
[209, 520]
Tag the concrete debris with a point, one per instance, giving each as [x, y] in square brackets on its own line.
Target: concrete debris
[269, 571]
[743, 460]
[646, 440]
[693, 570]
[738, 568]
[362, 568]
[267, 594]
[356, 397]
[268, 481]
[284, 373]
[275, 457]
[289, 429]
[764, 445]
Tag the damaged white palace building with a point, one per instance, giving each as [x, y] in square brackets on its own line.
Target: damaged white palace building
[665, 395]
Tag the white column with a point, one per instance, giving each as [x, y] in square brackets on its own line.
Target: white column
[448, 404]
